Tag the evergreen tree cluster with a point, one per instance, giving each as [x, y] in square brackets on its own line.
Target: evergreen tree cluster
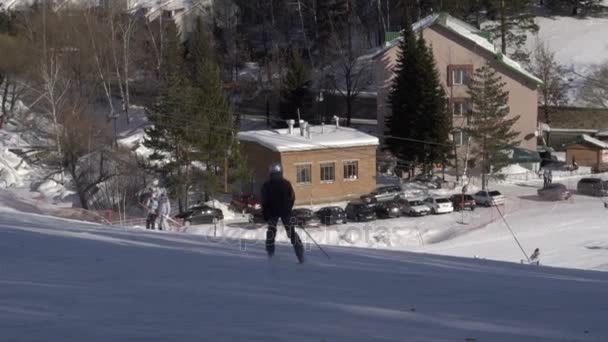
[192, 119]
[418, 126]
[296, 93]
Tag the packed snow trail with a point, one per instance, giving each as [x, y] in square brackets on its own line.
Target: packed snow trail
[67, 281]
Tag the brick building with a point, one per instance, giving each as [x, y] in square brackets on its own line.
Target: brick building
[323, 163]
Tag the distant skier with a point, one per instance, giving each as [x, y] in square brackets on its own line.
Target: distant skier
[278, 199]
[550, 177]
[535, 257]
[152, 206]
[164, 209]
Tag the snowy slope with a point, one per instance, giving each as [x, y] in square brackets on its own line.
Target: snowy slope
[578, 44]
[65, 281]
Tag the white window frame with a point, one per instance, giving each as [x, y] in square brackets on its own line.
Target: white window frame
[344, 169]
[461, 141]
[463, 76]
[462, 105]
[298, 168]
[326, 164]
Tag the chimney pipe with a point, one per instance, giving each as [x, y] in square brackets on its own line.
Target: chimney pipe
[308, 136]
[337, 118]
[322, 127]
[290, 123]
[300, 125]
[303, 127]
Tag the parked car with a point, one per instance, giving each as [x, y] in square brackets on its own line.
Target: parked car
[592, 187]
[554, 192]
[439, 205]
[414, 207]
[331, 215]
[386, 193]
[360, 211]
[463, 201]
[245, 203]
[389, 209]
[302, 216]
[430, 181]
[200, 214]
[489, 198]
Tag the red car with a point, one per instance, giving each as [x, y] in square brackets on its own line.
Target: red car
[461, 202]
[245, 203]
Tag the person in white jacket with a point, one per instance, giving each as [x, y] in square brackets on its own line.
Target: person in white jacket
[164, 210]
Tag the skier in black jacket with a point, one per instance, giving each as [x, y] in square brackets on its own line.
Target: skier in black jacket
[278, 198]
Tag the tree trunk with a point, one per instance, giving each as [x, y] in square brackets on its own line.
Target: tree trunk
[503, 28]
[349, 109]
[267, 112]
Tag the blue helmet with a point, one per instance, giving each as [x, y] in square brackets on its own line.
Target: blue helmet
[275, 169]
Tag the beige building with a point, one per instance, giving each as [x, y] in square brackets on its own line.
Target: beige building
[323, 163]
[459, 49]
[588, 152]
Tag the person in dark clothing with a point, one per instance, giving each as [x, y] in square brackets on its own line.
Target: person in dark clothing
[278, 198]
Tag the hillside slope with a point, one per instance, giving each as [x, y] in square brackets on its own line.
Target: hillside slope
[67, 281]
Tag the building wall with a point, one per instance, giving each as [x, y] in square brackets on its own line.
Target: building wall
[340, 189]
[259, 158]
[583, 155]
[451, 49]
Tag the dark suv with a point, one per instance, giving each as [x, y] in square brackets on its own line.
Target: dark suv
[200, 214]
[360, 211]
[592, 187]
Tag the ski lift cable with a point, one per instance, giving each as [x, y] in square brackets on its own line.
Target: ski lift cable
[512, 233]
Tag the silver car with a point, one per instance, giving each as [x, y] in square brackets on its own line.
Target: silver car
[387, 193]
[414, 207]
[489, 198]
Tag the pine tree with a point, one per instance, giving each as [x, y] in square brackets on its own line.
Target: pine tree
[514, 19]
[418, 105]
[168, 115]
[492, 132]
[401, 121]
[295, 92]
[432, 108]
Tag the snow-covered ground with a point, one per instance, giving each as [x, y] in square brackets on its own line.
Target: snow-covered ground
[579, 44]
[569, 234]
[68, 281]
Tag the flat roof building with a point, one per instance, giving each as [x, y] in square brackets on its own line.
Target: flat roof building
[324, 163]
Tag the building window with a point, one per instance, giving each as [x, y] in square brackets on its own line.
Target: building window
[303, 174]
[460, 107]
[460, 137]
[459, 74]
[328, 172]
[351, 170]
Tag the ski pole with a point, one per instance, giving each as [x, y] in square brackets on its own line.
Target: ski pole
[313, 240]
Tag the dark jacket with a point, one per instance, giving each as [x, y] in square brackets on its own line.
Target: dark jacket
[278, 197]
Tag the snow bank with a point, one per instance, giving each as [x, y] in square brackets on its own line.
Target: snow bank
[135, 143]
[228, 214]
[513, 169]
